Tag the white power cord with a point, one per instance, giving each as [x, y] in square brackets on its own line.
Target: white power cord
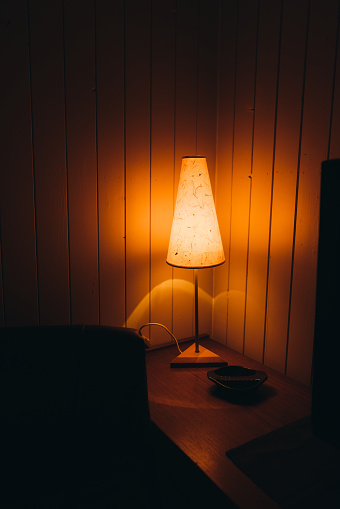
[147, 341]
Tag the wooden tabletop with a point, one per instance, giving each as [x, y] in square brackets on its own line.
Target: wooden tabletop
[203, 421]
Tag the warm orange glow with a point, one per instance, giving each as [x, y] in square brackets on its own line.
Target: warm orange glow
[162, 294]
[195, 239]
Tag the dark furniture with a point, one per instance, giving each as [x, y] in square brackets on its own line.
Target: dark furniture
[326, 352]
[218, 445]
[74, 419]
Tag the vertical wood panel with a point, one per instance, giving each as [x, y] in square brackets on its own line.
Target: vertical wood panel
[334, 145]
[48, 106]
[206, 130]
[185, 145]
[224, 155]
[242, 164]
[110, 129]
[293, 43]
[2, 310]
[162, 163]
[81, 159]
[261, 178]
[151, 109]
[16, 179]
[137, 52]
[314, 147]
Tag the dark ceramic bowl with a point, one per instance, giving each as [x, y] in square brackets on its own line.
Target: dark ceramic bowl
[237, 378]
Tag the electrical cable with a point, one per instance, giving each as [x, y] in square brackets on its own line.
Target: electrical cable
[160, 325]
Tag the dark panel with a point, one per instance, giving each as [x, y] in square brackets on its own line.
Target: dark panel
[325, 393]
[48, 114]
[262, 174]
[162, 162]
[80, 84]
[314, 148]
[334, 142]
[288, 124]
[110, 128]
[16, 182]
[2, 311]
[138, 44]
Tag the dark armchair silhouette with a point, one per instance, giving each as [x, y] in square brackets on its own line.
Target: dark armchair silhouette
[74, 418]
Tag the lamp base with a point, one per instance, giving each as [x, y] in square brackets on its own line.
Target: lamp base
[204, 358]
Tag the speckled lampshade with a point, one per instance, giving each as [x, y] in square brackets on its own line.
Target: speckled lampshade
[195, 240]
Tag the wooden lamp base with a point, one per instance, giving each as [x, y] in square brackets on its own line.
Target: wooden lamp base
[204, 358]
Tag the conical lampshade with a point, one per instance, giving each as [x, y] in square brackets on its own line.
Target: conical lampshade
[195, 240]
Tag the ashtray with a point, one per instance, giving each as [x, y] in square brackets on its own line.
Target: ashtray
[237, 378]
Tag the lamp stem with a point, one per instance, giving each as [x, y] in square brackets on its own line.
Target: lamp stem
[196, 311]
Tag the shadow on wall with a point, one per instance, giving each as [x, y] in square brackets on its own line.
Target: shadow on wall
[184, 291]
[162, 293]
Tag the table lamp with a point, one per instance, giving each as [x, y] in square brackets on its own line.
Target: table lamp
[195, 243]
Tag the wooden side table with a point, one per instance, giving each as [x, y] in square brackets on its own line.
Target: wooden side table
[196, 422]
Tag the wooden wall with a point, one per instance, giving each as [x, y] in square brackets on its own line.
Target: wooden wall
[100, 100]
[278, 119]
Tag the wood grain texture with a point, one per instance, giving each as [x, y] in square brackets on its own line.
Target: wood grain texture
[224, 158]
[49, 149]
[242, 168]
[262, 175]
[314, 147]
[137, 131]
[110, 145]
[204, 422]
[80, 86]
[290, 96]
[163, 59]
[102, 100]
[17, 201]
